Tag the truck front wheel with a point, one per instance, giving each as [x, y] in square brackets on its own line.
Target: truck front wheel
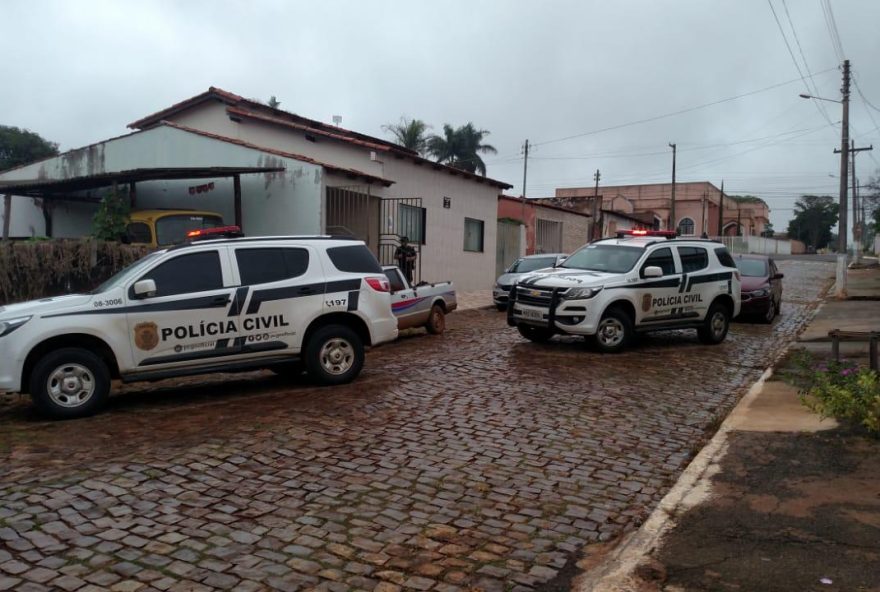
[334, 355]
[69, 383]
[614, 332]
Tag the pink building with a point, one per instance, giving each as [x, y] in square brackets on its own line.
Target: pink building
[696, 207]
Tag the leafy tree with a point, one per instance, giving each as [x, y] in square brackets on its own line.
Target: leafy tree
[410, 133]
[20, 146]
[112, 217]
[461, 147]
[768, 230]
[814, 215]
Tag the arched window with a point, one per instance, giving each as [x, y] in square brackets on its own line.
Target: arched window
[686, 227]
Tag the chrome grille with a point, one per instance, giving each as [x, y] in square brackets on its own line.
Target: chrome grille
[533, 296]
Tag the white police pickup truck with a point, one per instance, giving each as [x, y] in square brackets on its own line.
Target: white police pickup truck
[639, 281]
[212, 306]
[424, 305]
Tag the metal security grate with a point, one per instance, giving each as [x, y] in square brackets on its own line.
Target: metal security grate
[548, 235]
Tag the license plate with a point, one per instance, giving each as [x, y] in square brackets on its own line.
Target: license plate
[535, 315]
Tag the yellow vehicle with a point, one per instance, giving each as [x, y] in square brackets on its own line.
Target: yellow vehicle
[160, 228]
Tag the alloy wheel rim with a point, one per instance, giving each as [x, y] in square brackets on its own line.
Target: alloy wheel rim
[70, 385]
[611, 332]
[718, 323]
[337, 356]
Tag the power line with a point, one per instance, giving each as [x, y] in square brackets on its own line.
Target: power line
[831, 27]
[674, 113]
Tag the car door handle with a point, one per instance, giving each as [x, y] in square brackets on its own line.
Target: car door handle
[220, 300]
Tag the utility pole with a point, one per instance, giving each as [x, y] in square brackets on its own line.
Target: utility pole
[672, 206]
[721, 212]
[597, 230]
[857, 221]
[525, 247]
[844, 170]
[703, 217]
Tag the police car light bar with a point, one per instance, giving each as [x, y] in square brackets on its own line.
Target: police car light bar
[218, 232]
[641, 232]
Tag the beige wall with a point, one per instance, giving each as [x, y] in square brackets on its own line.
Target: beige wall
[575, 228]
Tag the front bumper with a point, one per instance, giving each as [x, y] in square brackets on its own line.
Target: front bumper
[500, 295]
[755, 306]
[10, 367]
[575, 317]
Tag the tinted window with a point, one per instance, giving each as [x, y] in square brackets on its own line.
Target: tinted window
[473, 235]
[693, 259]
[172, 229]
[354, 259]
[394, 280]
[197, 272]
[724, 257]
[753, 267]
[138, 232]
[610, 258]
[261, 266]
[661, 258]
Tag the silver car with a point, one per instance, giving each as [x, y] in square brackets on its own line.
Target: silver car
[520, 267]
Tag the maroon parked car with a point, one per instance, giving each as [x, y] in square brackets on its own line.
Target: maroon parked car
[761, 287]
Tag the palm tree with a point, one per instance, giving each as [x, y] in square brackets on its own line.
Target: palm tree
[461, 148]
[410, 133]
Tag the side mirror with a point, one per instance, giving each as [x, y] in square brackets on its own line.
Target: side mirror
[778, 276]
[653, 272]
[144, 288]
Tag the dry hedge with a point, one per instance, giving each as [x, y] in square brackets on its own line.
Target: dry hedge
[31, 270]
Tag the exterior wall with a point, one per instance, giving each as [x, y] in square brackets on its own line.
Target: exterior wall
[288, 202]
[25, 217]
[575, 226]
[611, 223]
[443, 254]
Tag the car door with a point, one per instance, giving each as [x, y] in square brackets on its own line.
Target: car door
[281, 290]
[403, 301]
[186, 320]
[700, 284]
[659, 298]
[775, 282]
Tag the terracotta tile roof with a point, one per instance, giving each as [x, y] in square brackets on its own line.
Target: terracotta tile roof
[537, 204]
[238, 106]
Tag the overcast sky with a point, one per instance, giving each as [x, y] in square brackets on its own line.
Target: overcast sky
[78, 72]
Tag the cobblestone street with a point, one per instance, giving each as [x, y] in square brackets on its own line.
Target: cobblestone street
[470, 461]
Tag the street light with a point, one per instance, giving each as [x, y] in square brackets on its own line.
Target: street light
[840, 290]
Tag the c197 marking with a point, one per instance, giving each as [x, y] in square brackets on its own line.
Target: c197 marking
[336, 302]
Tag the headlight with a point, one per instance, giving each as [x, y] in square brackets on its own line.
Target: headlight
[10, 325]
[581, 293]
[760, 293]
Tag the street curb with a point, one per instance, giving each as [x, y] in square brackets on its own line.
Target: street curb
[692, 487]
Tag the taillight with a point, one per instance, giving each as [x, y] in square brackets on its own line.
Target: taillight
[379, 284]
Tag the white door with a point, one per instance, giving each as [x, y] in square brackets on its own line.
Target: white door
[659, 298]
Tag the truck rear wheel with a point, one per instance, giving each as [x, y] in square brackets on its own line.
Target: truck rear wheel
[436, 321]
[334, 355]
[69, 383]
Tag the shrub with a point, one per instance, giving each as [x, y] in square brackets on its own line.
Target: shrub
[842, 390]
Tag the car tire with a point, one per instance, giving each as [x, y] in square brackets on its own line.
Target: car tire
[767, 317]
[436, 320]
[535, 334]
[779, 307]
[614, 332]
[70, 382]
[715, 325]
[334, 355]
[501, 307]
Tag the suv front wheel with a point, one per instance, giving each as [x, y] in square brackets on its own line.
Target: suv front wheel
[334, 355]
[69, 383]
[614, 332]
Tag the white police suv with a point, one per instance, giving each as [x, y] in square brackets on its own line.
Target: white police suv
[639, 281]
[211, 306]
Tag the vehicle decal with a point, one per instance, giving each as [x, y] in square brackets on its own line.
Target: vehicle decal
[196, 303]
[676, 314]
[353, 300]
[214, 353]
[320, 288]
[146, 336]
[684, 279]
[709, 277]
[665, 283]
[238, 301]
[406, 304]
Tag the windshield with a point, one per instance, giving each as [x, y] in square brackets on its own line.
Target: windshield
[608, 258]
[122, 276]
[531, 264]
[171, 230]
[752, 267]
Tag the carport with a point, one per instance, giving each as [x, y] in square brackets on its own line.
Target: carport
[286, 190]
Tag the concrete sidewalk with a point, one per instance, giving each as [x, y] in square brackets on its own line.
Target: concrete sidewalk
[777, 500]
